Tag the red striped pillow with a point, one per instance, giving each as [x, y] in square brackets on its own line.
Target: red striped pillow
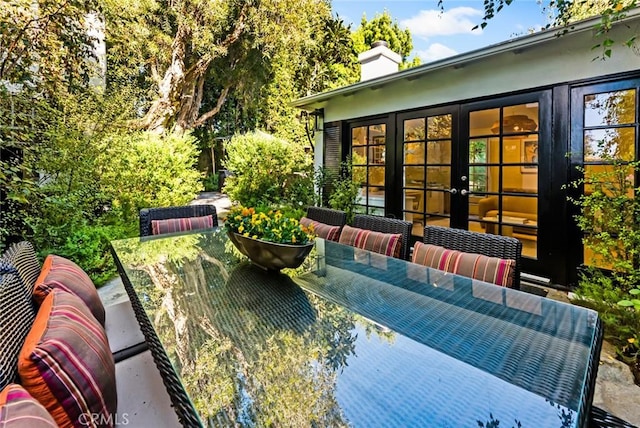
[58, 272]
[477, 266]
[388, 244]
[323, 230]
[18, 409]
[434, 256]
[66, 363]
[183, 224]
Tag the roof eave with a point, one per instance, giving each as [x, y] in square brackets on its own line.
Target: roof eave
[461, 60]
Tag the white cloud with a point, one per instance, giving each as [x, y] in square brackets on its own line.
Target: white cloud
[436, 51]
[429, 23]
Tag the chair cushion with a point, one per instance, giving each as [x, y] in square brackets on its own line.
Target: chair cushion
[388, 244]
[323, 230]
[16, 316]
[18, 409]
[477, 266]
[58, 272]
[23, 257]
[66, 363]
[184, 224]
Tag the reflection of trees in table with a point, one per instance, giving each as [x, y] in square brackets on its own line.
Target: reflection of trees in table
[249, 350]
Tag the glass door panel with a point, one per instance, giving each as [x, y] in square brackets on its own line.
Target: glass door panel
[503, 173]
[368, 154]
[427, 148]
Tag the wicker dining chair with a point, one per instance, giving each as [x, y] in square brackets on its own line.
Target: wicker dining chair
[486, 244]
[165, 213]
[600, 418]
[327, 216]
[386, 225]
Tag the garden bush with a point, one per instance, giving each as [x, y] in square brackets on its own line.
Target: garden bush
[268, 171]
[610, 221]
[86, 204]
[145, 169]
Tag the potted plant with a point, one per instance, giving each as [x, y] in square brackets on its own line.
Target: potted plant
[270, 239]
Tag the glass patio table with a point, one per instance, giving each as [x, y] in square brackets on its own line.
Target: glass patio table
[353, 338]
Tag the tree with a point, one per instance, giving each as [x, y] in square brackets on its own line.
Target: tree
[384, 27]
[566, 12]
[200, 49]
[45, 54]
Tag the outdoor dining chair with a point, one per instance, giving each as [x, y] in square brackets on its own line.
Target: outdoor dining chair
[192, 217]
[327, 216]
[386, 225]
[486, 244]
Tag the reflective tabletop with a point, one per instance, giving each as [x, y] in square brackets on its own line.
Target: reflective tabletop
[353, 338]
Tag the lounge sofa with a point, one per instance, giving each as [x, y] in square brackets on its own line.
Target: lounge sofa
[115, 359]
[517, 207]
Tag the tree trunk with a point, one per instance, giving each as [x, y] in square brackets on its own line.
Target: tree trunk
[181, 89]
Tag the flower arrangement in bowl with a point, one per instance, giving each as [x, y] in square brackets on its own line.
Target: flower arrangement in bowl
[268, 238]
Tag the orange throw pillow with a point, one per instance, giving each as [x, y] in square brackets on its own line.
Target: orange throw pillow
[66, 363]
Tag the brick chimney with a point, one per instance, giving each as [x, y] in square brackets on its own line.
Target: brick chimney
[378, 61]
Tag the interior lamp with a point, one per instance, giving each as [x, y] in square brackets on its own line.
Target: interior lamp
[515, 123]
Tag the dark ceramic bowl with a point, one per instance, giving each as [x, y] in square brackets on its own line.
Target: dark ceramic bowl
[271, 255]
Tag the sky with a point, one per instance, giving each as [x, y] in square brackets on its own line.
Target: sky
[439, 35]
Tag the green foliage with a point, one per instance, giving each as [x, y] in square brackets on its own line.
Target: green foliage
[88, 245]
[346, 191]
[210, 183]
[267, 171]
[384, 27]
[564, 13]
[46, 43]
[144, 169]
[610, 221]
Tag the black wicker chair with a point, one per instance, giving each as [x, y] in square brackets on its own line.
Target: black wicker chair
[149, 214]
[480, 243]
[386, 225]
[601, 419]
[327, 216]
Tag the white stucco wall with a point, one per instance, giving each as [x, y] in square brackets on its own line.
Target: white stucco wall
[564, 59]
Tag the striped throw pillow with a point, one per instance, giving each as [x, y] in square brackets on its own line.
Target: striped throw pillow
[58, 272]
[322, 230]
[16, 316]
[477, 266]
[66, 363]
[23, 257]
[388, 244]
[18, 409]
[183, 224]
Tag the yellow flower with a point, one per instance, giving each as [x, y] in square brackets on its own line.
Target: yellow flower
[241, 228]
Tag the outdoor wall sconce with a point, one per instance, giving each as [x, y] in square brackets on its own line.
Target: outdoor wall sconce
[314, 117]
[515, 123]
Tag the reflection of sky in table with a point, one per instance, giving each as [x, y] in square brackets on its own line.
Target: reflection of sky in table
[447, 393]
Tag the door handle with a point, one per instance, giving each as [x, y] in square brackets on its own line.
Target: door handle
[453, 190]
[464, 192]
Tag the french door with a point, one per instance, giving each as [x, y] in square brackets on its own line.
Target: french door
[478, 166]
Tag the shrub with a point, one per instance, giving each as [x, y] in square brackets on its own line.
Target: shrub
[268, 171]
[83, 208]
[345, 191]
[609, 219]
[144, 169]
